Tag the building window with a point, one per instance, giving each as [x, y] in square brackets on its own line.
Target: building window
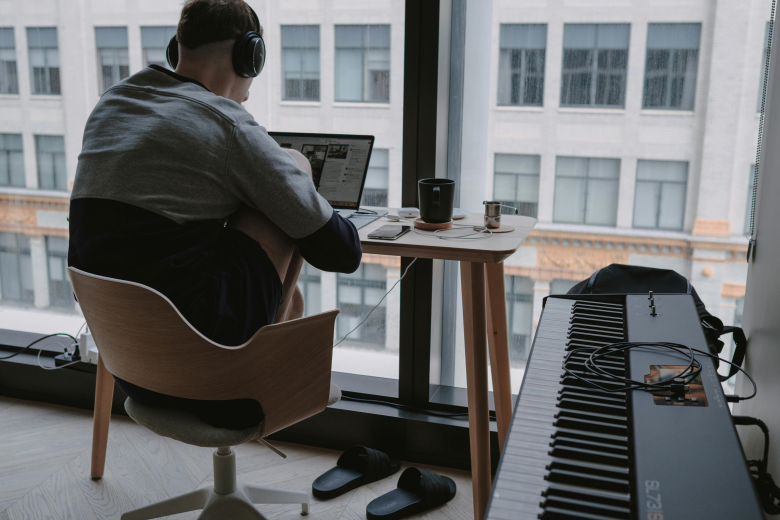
[301, 62]
[377, 179]
[11, 160]
[363, 63]
[749, 205]
[586, 191]
[60, 291]
[357, 294]
[670, 68]
[521, 64]
[659, 202]
[310, 285]
[44, 60]
[764, 57]
[154, 41]
[519, 313]
[561, 286]
[16, 280]
[595, 63]
[516, 182]
[50, 152]
[9, 82]
[112, 56]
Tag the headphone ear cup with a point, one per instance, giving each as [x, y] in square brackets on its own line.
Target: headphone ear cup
[249, 55]
[172, 53]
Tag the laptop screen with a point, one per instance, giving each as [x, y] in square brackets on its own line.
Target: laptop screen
[339, 163]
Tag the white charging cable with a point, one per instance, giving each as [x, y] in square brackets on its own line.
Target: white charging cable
[378, 303]
[482, 231]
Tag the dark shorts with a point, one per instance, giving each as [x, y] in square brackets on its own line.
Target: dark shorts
[221, 281]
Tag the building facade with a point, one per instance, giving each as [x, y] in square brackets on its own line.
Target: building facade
[627, 127]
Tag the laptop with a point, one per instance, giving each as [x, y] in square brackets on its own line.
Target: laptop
[339, 165]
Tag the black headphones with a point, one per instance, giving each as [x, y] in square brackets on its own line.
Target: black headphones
[248, 52]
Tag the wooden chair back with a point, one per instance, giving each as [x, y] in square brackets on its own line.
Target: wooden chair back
[143, 339]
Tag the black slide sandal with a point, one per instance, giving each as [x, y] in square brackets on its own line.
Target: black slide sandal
[356, 466]
[418, 491]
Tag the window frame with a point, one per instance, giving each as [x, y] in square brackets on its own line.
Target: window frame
[659, 203]
[672, 61]
[48, 80]
[521, 72]
[587, 179]
[117, 53]
[365, 49]
[530, 209]
[302, 89]
[145, 48]
[5, 156]
[39, 138]
[9, 79]
[593, 69]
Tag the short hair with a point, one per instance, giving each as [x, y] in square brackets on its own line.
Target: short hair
[208, 21]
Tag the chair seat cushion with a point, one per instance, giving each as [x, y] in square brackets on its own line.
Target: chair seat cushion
[186, 427]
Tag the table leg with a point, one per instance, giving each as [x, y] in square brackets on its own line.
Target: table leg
[498, 343]
[104, 393]
[472, 277]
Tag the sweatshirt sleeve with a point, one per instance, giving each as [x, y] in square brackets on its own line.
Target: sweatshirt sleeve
[335, 247]
[265, 177]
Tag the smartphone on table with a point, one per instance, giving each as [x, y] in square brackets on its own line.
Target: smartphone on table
[389, 232]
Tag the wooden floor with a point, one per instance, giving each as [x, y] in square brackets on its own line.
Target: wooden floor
[44, 470]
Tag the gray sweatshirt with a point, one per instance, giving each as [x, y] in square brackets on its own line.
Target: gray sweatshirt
[178, 150]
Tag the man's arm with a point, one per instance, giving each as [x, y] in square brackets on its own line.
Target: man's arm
[277, 182]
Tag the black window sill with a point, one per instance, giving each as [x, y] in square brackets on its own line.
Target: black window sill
[412, 436]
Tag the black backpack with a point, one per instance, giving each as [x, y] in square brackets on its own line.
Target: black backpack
[632, 279]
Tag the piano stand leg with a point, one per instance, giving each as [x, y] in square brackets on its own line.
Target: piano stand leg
[498, 341]
[475, 329]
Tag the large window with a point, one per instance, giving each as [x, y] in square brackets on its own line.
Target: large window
[358, 293]
[112, 57]
[50, 154]
[363, 63]
[44, 60]
[521, 64]
[11, 160]
[154, 41]
[586, 191]
[377, 179]
[661, 187]
[595, 64]
[671, 65]
[9, 81]
[60, 291]
[301, 62]
[519, 314]
[16, 279]
[516, 182]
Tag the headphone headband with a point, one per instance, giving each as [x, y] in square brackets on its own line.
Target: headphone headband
[248, 51]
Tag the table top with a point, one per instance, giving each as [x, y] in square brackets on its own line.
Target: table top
[494, 249]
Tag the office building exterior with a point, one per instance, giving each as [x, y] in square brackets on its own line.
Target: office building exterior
[628, 128]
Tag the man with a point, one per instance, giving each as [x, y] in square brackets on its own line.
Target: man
[178, 188]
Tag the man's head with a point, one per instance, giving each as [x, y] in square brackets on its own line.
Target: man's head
[207, 33]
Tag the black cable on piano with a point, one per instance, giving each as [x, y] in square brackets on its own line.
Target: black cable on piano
[768, 492]
[688, 374]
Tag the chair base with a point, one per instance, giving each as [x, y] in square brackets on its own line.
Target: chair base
[220, 503]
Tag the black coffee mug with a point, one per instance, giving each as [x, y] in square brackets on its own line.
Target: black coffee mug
[437, 198]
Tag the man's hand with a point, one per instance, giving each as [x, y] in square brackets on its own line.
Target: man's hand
[300, 159]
